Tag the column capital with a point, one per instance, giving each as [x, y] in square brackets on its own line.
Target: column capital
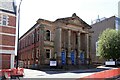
[58, 27]
[78, 34]
[68, 29]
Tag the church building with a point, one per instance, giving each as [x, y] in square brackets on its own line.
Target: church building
[65, 40]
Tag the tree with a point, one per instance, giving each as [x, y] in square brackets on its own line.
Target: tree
[109, 44]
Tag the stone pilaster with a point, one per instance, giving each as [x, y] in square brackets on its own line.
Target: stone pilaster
[42, 55]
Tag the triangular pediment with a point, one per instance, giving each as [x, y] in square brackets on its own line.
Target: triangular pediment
[75, 20]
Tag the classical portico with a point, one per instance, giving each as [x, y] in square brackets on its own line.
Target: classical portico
[71, 38]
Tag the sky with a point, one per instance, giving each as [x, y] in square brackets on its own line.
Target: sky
[87, 10]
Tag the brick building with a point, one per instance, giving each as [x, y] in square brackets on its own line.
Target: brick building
[65, 40]
[98, 27]
[7, 33]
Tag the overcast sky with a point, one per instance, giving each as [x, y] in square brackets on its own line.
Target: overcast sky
[32, 10]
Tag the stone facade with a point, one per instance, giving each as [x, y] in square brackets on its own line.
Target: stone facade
[7, 33]
[62, 40]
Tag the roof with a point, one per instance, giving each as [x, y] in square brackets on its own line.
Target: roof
[106, 19]
[75, 20]
[8, 6]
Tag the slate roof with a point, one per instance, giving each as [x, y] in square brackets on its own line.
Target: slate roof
[8, 6]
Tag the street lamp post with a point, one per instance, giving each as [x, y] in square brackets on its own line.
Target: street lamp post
[18, 32]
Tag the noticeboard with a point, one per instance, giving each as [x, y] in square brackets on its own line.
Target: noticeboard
[53, 63]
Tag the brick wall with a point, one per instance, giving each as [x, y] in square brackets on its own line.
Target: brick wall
[7, 41]
[5, 61]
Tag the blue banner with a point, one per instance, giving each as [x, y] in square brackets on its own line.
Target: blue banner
[82, 57]
[72, 57]
[63, 57]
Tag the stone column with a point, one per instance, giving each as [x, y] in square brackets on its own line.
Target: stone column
[69, 47]
[78, 47]
[79, 42]
[87, 50]
[69, 42]
[59, 41]
[58, 38]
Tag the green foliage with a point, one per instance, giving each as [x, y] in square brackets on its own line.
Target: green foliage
[109, 44]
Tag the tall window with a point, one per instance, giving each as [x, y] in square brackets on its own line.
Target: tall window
[37, 52]
[33, 37]
[48, 54]
[5, 20]
[47, 35]
[38, 35]
[117, 23]
[97, 54]
[32, 53]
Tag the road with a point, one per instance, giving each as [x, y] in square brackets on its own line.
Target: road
[53, 74]
[72, 75]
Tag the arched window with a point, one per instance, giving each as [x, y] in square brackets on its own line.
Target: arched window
[47, 35]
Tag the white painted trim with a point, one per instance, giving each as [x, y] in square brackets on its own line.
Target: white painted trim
[7, 46]
[6, 13]
[12, 61]
[7, 51]
[8, 34]
[10, 26]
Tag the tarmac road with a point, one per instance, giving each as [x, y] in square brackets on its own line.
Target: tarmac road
[60, 75]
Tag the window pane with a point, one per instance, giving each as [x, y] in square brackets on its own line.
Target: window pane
[4, 20]
[47, 53]
[4, 17]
